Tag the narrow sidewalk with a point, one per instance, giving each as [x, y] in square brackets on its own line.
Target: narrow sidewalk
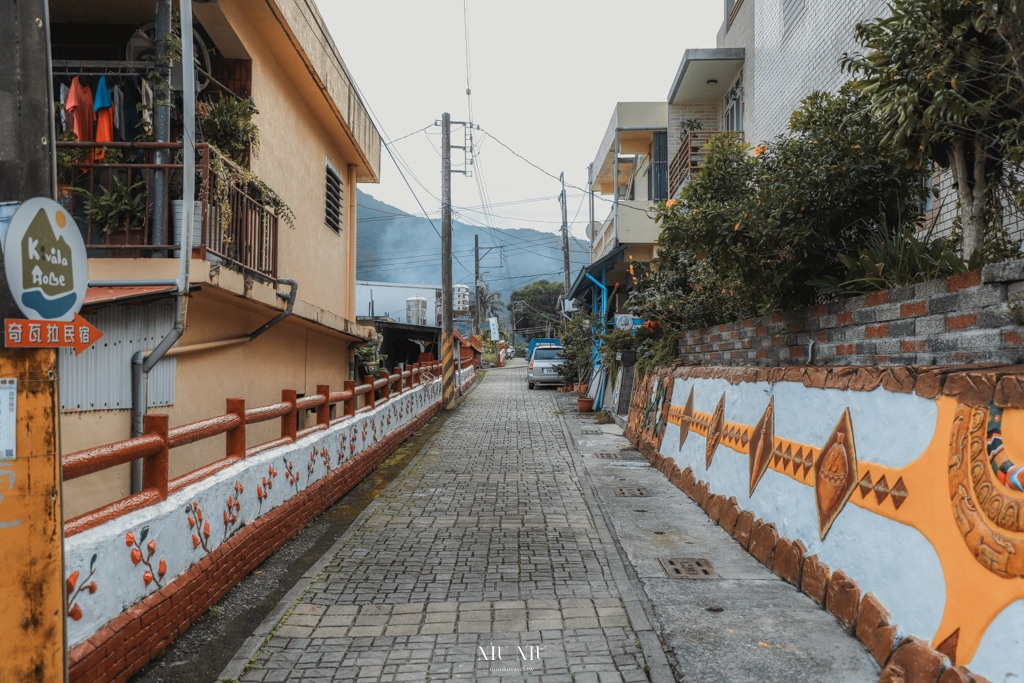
[723, 616]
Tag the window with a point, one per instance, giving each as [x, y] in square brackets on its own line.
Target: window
[332, 216]
[733, 114]
[547, 354]
[657, 176]
[791, 10]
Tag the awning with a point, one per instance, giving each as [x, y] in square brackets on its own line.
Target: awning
[105, 296]
[705, 75]
[595, 269]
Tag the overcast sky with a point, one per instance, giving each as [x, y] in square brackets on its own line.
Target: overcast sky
[546, 75]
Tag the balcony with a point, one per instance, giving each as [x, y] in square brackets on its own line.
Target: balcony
[109, 188]
[689, 159]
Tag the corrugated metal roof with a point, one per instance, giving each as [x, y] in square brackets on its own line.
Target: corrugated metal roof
[104, 295]
[100, 378]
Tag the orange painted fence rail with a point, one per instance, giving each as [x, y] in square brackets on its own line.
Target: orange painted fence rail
[154, 446]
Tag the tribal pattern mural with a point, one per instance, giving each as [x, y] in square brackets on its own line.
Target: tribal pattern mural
[937, 465]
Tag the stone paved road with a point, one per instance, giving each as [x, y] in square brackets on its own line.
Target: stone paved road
[487, 542]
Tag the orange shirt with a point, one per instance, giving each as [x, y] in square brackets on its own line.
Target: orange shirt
[79, 106]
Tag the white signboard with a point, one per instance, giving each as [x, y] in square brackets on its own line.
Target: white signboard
[494, 329]
[624, 322]
[47, 266]
[8, 418]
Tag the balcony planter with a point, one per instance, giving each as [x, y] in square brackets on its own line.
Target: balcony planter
[585, 404]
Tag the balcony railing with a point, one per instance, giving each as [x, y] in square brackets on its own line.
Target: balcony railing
[240, 231]
[688, 160]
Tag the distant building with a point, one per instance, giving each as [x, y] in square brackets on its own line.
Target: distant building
[376, 299]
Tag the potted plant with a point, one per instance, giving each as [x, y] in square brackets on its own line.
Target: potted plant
[119, 211]
[577, 357]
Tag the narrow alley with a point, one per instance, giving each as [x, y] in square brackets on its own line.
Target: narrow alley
[500, 553]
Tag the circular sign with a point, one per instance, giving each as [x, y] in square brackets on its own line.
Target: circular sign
[47, 266]
[624, 322]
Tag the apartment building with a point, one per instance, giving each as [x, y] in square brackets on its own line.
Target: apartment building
[272, 304]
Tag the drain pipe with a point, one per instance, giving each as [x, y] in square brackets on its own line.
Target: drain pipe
[289, 297]
[142, 362]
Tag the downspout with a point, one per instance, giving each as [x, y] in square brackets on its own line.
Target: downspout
[142, 363]
[615, 190]
[289, 297]
[604, 315]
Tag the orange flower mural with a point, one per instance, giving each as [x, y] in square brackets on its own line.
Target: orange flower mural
[74, 589]
[151, 575]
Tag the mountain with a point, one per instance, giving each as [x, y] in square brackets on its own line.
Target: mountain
[395, 246]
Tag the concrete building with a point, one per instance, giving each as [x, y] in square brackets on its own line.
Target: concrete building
[317, 143]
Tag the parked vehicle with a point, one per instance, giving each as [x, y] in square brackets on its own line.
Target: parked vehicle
[540, 341]
[544, 365]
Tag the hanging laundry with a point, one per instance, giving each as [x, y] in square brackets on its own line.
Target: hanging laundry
[147, 108]
[79, 106]
[104, 116]
[117, 95]
[64, 90]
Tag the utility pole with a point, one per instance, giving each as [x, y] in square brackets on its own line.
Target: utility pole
[565, 235]
[447, 338]
[476, 285]
[32, 606]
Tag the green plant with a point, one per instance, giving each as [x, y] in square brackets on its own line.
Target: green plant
[123, 207]
[660, 350]
[541, 299]
[893, 259]
[226, 174]
[67, 157]
[227, 124]
[611, 344]
[577, 335]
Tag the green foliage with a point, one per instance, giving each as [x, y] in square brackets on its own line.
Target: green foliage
[660, 350]
[227, 124]
[577, 335]
[893, 259]
[771, 222]
[611, 344]
[946, 87]
[490, 304]
[120, 208]
[541, 307]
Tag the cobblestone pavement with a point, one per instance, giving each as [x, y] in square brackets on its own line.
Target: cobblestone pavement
[486, 547]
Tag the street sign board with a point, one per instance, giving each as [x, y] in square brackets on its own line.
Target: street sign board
[624, 321]
[42, 334]
[494, 329]
[47, 265]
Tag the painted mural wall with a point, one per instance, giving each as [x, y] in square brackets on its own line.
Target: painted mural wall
[116, 565]
[909, 481]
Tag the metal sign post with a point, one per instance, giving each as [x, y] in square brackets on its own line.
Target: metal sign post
[32, 599]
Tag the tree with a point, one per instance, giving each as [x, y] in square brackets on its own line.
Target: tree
[753, 231]
[541, 307]
[490, 304]
[942, 82]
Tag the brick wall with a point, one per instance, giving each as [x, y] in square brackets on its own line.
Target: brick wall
[970, 318]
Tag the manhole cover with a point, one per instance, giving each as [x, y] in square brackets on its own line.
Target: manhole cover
[592, 431]
[630, 492]
[688, 568]
[635, 457]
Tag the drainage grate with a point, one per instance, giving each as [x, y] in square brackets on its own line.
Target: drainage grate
[592, 431]
[688, 568]
[620, 455]
[630, 492]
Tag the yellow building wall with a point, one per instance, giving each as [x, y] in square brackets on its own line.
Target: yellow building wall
[292, 355]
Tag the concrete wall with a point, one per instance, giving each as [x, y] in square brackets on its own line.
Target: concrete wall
[899, 517]
[141, 579]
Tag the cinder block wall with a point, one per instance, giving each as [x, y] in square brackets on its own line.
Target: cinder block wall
[970, 318]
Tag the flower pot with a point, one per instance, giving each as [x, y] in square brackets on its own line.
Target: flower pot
[583, 388]
[585, 405]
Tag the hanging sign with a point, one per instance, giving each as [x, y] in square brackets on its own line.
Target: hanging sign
[47, 334]
[46, 262]
[494, 329]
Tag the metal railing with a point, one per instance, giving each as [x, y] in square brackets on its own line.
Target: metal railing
[247, 238]
[688, 160]
[154, 446]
